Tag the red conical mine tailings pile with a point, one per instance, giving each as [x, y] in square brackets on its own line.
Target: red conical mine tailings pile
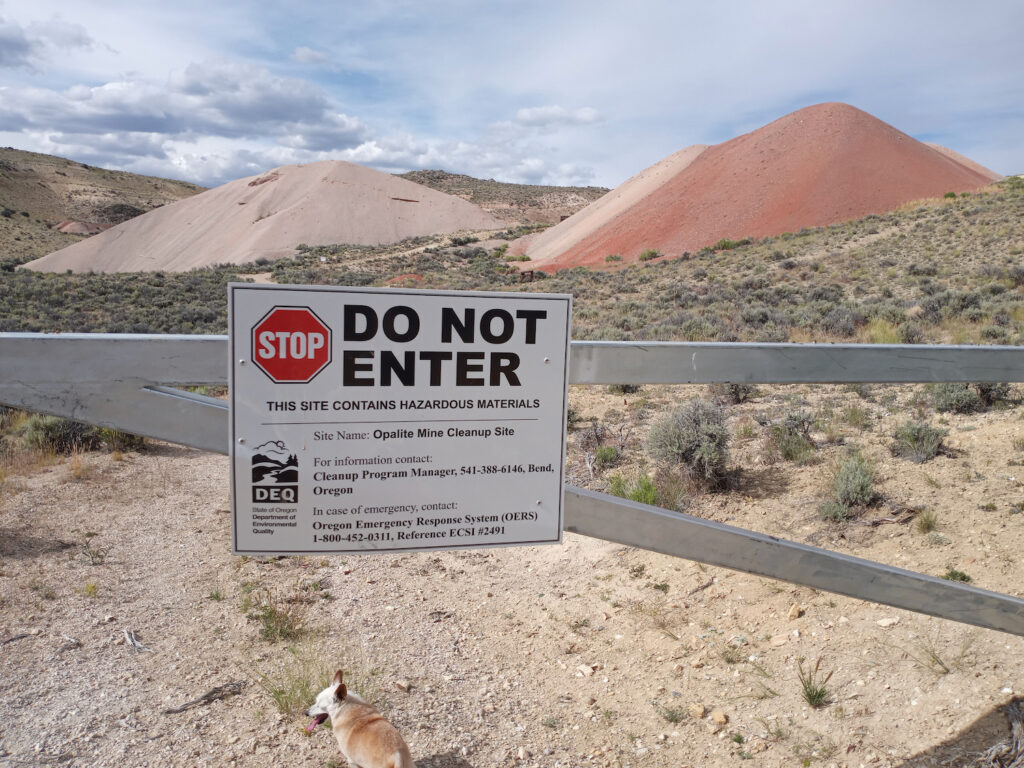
[817, 166]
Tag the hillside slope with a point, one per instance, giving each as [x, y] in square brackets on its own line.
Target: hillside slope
[514, 203]
[267, 216]
[49, 202]
[817, 166]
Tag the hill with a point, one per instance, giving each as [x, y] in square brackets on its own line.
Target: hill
[267, 216]
[588, 653]
[50, 202]
[515, 203]
[817, 166]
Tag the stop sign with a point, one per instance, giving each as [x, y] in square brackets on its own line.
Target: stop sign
[291, 345]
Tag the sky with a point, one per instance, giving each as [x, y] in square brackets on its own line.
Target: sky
[531, 91]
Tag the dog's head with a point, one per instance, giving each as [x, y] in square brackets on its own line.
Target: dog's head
[328, 701]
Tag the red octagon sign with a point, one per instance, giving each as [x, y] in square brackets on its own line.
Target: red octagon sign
[291, 345]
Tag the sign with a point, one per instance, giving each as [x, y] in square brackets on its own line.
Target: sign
[291, 345]
[371, 420]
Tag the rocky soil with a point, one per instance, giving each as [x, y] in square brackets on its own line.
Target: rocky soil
[582, 654]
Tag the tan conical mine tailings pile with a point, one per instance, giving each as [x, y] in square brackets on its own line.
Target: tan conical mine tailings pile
[817, 166]
[267, 216]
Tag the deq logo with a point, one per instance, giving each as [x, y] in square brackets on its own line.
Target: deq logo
[275, 474]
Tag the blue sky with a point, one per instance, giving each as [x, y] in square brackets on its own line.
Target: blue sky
[531, 92]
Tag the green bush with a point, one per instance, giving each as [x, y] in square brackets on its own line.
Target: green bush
[991, 393]
[641, 489]
[612, 257]
[917, 442]
[851, 487]
[956, 397]
[695, 437]
[606, 456]
[732, 394]
[116, 440]
[623, 389]
[573, 417]
[791, 439]
[649, 254]
[64, 436]
[853, 481]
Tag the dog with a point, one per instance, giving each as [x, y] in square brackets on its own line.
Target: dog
[365, 737]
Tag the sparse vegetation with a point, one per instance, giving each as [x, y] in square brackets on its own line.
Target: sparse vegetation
[303, 675]
[813, 686]
[641, 489]
[952, 574]
[693, 436]
[279, 619]
[926, 521]
[851, 487]
[953, 397]
[790, 439]
[917, 442]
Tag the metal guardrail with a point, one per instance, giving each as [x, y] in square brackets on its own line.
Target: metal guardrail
[131, 382]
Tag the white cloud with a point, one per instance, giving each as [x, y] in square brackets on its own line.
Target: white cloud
[544, 117]
[305, 55]
[29, 46]
[577, 91]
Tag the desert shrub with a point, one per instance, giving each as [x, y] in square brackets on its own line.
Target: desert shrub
[573, 417]
[612, 257]
[853, 480]
[952, 574]
[649, 254]
[850, 487]
[641, 489]
[949, 304]
[732, 394]
[922, 270]
[841, 322]
[667, 489]
[116, 440]
[606, 456]
[701, 329]
[64, 436]
[917, 442]
[8, 416]
[956, 397]
[693, 436]
[991, 393]
[881, 331]
[911, 334]
[791, 439]
[725, 244]
[623, 389]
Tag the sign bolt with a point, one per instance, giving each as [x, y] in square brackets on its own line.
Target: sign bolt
[241, 441]
[547, 359]
[538, 502]
[242, 361]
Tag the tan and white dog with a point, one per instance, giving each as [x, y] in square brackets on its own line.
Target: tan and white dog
[364, 736]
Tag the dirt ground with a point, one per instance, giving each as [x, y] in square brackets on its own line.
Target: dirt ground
[582, 654]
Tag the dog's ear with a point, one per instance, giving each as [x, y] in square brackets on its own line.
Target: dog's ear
[340, 692]
[337, 677]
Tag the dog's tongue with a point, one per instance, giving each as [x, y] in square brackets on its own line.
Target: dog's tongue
[316, 721]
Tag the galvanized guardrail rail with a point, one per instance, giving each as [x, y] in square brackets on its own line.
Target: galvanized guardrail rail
[132, 383]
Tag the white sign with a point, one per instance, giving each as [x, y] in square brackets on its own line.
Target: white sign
[369, 420]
